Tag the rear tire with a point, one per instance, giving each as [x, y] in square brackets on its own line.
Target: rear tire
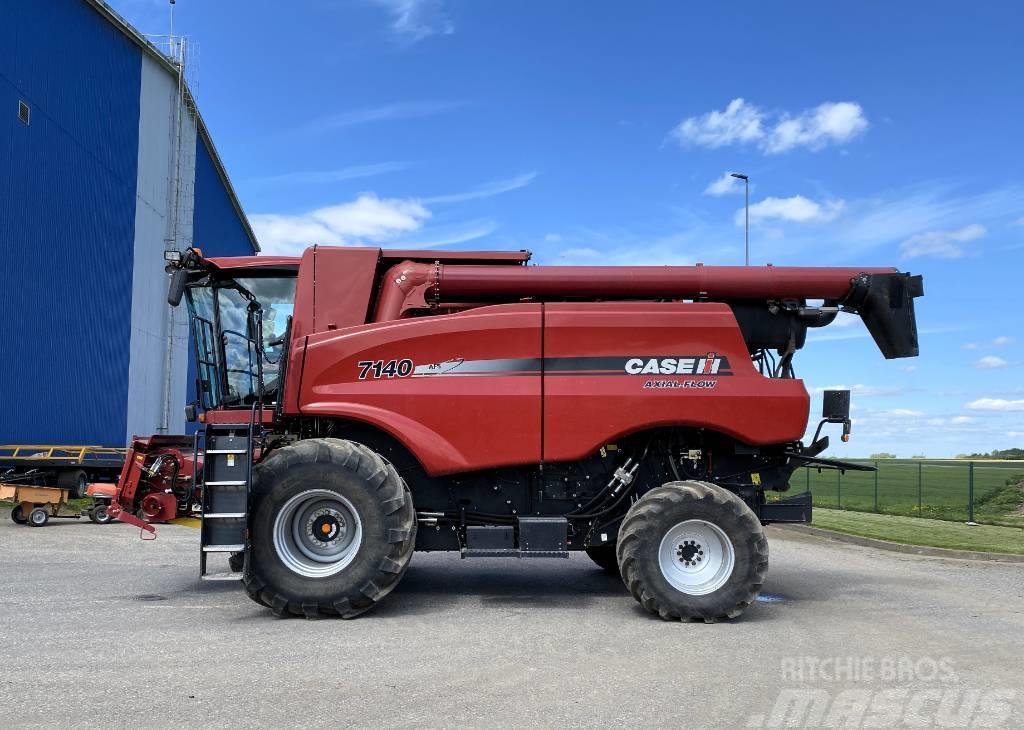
[333, 529]
[100, 516]
[17, 515]
[38, 517]
[76, 482]
[604, 556]
[692, 550]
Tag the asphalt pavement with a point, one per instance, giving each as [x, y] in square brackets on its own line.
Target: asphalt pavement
[101, 629]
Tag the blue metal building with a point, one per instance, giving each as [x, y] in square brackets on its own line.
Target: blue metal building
[104, 164]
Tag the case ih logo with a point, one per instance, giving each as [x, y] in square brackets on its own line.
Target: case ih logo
[710, 364]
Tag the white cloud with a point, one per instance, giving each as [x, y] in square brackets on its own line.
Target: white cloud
[742, 123]
[909, 368]
[328, 176]
[996, 404]
[900, 413]
[487, 190]
[970, 345]
[1002, 341]
[957, 420]
[438, 236]
[553, 237]
[796, 209]
[723, 186]
[366, 218]
[845, 320]
[388, 112]
[990, 362]
[827, 123]
[414, 20]
[941, 244]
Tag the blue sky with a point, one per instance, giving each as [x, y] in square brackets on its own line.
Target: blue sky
[875, 134]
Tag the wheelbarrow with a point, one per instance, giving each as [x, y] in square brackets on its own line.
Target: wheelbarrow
[35, 505]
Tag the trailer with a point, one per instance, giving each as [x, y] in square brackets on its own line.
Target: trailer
[69, 467]
[34, 506]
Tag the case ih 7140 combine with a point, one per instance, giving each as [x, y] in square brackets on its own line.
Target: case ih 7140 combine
[359, 404]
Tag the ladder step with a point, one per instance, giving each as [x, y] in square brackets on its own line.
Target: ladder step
[223, 515]
[226, 575]
[239, 483]
[223, 548]
[226, 451]
[490, 553]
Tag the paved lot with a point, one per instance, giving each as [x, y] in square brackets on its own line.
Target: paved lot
[100, 629]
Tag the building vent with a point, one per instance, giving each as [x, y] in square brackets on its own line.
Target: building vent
[24, 113]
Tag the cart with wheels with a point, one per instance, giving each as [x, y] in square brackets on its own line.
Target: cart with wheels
[102, 494]
[35, 506]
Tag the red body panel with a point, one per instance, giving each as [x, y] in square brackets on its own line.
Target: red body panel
[474, 398]
[583, 412]
[451, 422]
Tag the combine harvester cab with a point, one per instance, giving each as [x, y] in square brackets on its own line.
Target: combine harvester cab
[359, 404]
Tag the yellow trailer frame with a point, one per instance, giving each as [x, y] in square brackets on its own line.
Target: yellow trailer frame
[35, 506]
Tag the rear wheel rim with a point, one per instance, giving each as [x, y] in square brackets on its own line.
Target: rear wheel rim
[38, 518]
[696, 557]
[317, 533]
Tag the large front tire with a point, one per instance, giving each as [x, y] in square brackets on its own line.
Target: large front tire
[692, 550]
[333, 529]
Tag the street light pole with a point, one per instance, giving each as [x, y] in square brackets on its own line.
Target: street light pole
[746, 217]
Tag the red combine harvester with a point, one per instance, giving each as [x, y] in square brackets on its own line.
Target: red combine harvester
[359, 404]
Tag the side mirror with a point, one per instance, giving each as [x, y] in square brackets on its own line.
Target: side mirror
[179, 277]
[835, 406]
[190, 412]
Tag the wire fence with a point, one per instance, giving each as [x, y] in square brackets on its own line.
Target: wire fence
[988, 492]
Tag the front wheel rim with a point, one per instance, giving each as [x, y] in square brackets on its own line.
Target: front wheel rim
[696, 557]
[317, 533]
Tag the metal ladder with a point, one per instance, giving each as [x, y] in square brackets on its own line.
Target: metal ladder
[227, 472]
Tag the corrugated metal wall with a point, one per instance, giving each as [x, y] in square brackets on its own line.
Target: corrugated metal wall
[71, 240]
[150, 390]
[67, 207]
[216, 227]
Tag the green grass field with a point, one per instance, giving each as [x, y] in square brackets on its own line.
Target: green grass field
[916, 531]
[920, 488]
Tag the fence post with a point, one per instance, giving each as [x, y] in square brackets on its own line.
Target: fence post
[970, 492]
[876, 486]
[920, 468]
[839, 488]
